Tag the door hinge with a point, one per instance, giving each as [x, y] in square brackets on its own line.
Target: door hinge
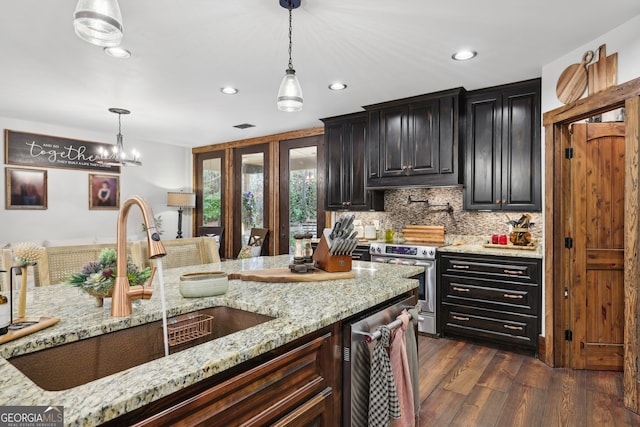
[568, 335]
[568, 153]
[566, 293]
[568, 242]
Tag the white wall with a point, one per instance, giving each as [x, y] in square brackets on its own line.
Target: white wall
[68, 218]
[625, 40]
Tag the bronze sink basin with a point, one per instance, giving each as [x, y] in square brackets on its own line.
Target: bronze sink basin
[80, 362]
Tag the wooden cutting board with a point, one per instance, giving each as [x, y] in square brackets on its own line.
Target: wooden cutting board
[423, 234]
[603, 73]
[39, 324]
[573, 80]
[276, 275]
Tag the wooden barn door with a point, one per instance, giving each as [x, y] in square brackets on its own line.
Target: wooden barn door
[595, 314]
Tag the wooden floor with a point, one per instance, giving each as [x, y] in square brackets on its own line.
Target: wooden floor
[464, 384]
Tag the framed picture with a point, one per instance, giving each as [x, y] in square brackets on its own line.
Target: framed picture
[104, 191]
[26, 188]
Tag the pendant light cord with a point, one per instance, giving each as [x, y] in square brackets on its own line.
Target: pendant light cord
[290, 31]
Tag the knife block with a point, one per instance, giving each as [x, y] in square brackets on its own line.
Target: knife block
[330, 263]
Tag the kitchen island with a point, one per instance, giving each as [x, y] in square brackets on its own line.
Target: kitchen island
[298, 309]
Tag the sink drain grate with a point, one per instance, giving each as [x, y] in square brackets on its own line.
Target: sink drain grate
[189, 328]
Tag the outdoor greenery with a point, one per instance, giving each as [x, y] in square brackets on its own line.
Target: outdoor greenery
[212, 204]
[303, 196]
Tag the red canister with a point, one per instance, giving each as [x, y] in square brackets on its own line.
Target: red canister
[494, 239]
[503, 239]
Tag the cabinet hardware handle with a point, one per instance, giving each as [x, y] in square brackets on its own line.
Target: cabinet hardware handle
[373, 174]
[497, 201]
[404, 167]
[462, 267]
[410, 167]
[464, 319]
[514, 328]
[513, 296]
[514, 272]
[455, 288]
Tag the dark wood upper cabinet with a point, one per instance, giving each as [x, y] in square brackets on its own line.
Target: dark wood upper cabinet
[502, 148]
[346, 167]
[414, 141]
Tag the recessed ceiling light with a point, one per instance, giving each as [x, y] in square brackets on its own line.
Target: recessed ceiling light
[117, 52]
[337, 86]
[464, 55]
[229, 90]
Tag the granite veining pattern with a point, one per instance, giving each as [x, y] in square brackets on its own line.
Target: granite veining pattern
[299, 308]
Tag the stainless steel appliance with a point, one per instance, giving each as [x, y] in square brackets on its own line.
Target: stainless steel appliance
[359, 337]
[424, 256]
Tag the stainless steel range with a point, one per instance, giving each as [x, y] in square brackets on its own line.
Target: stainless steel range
[424, 256]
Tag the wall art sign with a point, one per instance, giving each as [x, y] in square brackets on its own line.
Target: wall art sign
[26, 188]
[31, 149]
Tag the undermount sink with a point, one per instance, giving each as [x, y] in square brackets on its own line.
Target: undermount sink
[80, 362]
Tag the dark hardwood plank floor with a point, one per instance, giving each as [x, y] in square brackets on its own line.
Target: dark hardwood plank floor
[468, 384]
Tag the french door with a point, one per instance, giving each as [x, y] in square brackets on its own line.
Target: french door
[251, 172]
[301, 189]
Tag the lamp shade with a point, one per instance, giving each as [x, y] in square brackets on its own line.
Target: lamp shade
[290, 93]
[98, 22]
[180, 199]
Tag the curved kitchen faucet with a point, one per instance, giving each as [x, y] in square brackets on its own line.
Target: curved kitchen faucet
[123, 294]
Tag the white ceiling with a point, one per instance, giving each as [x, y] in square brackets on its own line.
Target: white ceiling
[185, 51]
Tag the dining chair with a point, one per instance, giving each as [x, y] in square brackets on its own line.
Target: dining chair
[216, 233]
[184, 252]
[58, 262]
[5, 264]
[257, 239]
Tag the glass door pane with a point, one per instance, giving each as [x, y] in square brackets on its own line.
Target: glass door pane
[301, 203]
[252, 193]
[209, 217]
[303, 192]
[212, 192]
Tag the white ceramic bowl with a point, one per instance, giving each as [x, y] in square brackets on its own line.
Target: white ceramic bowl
[206, 284]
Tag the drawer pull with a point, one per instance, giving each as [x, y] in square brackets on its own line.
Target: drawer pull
[514, 328]
[464, 319]
[513, 296]
[455, 288]
[462, 267]
[519, 272]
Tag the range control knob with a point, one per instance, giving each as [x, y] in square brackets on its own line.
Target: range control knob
[432, 252]
[379, 249]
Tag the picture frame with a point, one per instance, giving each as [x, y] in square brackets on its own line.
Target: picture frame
[25, 188]
[104, 192]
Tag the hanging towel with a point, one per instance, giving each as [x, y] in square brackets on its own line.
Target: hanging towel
[412, 357]
[360, 371]
[400, 368]
[383, 398]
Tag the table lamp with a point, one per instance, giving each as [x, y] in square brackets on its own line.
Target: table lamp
[181, 201]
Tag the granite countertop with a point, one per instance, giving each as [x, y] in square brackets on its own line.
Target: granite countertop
[474, 245]
[299, 308]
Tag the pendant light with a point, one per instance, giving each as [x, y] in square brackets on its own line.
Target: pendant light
[98, 22]
[290, 93]
[118, 157]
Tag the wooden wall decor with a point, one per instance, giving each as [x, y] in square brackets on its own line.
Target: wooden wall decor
[603, 73]
[31, 149]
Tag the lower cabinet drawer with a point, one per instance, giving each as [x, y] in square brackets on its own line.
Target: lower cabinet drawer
[496, 326]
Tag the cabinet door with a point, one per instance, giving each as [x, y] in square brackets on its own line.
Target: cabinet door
[393, 138]
[422, 148]
[482, 188]
[335, 174]
[521, 169]
[355, 151]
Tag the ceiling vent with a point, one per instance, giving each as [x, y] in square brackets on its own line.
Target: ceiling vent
[244, 126]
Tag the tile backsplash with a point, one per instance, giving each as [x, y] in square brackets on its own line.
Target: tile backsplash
[401, 213]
